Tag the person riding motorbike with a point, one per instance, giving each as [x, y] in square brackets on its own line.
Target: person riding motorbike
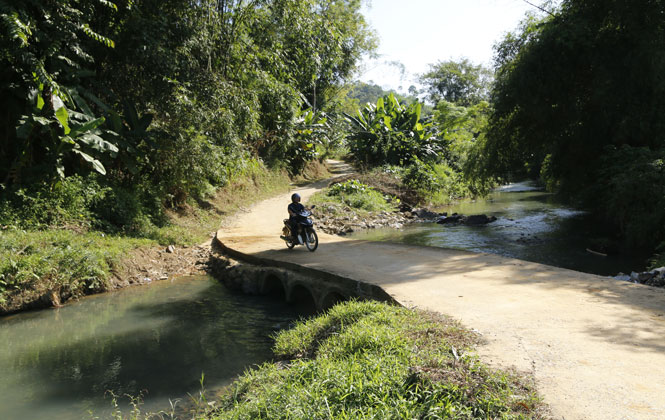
[294, 209]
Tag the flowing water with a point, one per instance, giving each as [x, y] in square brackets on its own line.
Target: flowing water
[156, 340]
[532, 225]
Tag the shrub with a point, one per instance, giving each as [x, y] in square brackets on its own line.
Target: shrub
[354, 194]
[349, 187]
[420, 178]
[67, 201]
[392, 133]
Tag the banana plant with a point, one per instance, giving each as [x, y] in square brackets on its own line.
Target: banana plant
[130, 132]
[392, 133]
[64, 131]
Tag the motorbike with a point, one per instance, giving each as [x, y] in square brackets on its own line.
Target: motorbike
[306, 235]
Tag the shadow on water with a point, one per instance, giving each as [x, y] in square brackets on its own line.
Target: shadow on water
[532, 225]
[158, 339]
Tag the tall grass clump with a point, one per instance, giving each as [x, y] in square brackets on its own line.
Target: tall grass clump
[35, 265]
[354, 194]
[368, 360]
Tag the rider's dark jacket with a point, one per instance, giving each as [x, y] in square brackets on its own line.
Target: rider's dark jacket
[295, 208]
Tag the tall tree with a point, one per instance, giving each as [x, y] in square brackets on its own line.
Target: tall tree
[459, 82]
[579, 90]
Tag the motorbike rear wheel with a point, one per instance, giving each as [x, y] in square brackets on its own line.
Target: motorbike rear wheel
[290, 243]
[311, 240]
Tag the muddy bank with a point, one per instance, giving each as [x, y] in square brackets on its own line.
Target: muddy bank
[142, 266]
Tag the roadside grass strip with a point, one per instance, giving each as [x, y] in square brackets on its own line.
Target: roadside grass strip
[369, 360]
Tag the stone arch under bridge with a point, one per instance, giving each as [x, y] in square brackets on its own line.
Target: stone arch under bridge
[312, 290]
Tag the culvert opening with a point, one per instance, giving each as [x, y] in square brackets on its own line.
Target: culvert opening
[332, 299]
[273, 286]
[303, 300]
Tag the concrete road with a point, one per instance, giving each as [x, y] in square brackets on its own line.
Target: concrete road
[596, 346]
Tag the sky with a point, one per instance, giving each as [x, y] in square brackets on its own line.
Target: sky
[417, 33]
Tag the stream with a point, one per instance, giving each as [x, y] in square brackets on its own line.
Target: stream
[531, 225]
[156, 341]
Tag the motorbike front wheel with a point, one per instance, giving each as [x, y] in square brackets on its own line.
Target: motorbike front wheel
[311, 240]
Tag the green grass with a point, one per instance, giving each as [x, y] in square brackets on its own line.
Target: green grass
[35, 263]
[368, 360]
[353, 194]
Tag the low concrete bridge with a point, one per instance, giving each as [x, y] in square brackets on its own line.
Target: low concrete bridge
[596, 346]
[312, 290]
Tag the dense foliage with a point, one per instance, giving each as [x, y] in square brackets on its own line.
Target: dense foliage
[426, 154]
[579, 99]
[392, 133]
[165, 100]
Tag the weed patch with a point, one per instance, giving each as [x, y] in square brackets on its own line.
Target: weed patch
[372, 360]
[354, 194]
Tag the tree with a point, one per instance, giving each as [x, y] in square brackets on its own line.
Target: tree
[190, 93]
[458, 82]
[46, 124]
[575, 88]
[319, 43]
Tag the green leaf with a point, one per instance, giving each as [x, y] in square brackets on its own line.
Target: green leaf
[24, 127]
[380, 105]
[96, 165]
[386, 121]
[145, 121]
[115, 121]
[98, 143]
[91, 125]
[97, 101]
[63, 117]
[42, 120]
[82, 104]
[131, 115]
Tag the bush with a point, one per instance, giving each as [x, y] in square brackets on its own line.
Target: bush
[420, 178]
[354, 194]
[392, 133]
[349, 187]
[67, 201]
[62, 261]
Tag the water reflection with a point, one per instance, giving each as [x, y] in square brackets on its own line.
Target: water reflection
[59, 363]
[532, 225]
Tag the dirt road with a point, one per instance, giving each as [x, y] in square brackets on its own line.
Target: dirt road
[596, 346]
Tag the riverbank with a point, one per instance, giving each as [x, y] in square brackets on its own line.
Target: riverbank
[367, 201]
[373, 360]
[48, 266]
